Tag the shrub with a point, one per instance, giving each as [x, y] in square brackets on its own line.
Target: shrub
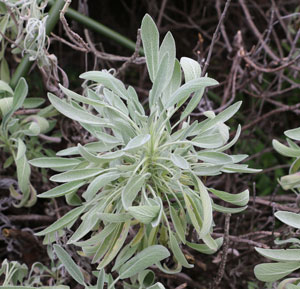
[145, 171]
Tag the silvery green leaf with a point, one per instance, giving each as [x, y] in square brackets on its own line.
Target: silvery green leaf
[99, 159]
[117, 244]
[132, 95]
[23, 170]
[115, 101]
[183, 92]
[210, 242]
[75, 113]
[195, 100]
[178, 252]
[126, 253]
[156, 221]
[98, 237]
[184, 132]
[130, 191]
[232, 142]
[191, 68]
[192, 212]
[114, 218]
[174, 83]
[146, 278]
[73, 199]
[150, 39]
[160, 81]
[88, 223]
[108, 80]
[180, 162]
[222, 116]
[97, 147]
[290, 181]
[54, 162]
[107, 139]
[281, 255]
[177, 224]
[100, 280]
[73, 95]
[237, 168]
[98, 183]
[168, 47]
[5, 87]
[69, 264]
[41, 122]
[143, 260]
[238, 158]
[62, 190]
[206, 169]
[295, 241]
[33, 129]
[76, 175]
[144, 214]
[5, 105]
[270, 272]
[203, 248]
[289, 218]
[293, 133]
[214, 158]
[20, 94]
[102, 248]
[21, 149]
[212, 141]
[206, 206]
[33, 102]
[292, 144]
[284, 150]
[63, 221]
[227, 210]
[295, 167]
[240, 199]
[137, 142]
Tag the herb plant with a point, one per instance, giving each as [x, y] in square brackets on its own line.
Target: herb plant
[14, 129]
[140, 185]
[287, 260]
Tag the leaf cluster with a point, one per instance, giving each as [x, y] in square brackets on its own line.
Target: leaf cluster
[145, 170]
[14, 129]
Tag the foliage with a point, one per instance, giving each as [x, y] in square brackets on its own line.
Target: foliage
[288, 260]
[144, 171]
[24, 23]
[16, 274]
[14, 129]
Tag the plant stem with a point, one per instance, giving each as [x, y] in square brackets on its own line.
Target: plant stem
[100, 28]
[25, 64]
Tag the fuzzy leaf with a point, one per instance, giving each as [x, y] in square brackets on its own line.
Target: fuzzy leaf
[270, 272]
[144, 214]
[131, 190]
[69, 264]
[143, 260]
[137, 142]
[282, 255]
[289, 218]
[76, 113]
[150, 39]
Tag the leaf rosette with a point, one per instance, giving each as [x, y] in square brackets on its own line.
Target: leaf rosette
[144, 171]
